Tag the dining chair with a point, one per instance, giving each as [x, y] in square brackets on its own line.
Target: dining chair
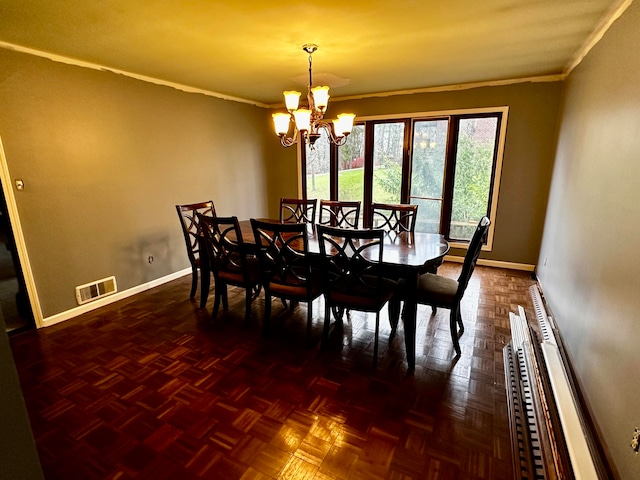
[394, 217]
[225, 255]
[440, 291]
[189, 223]
[339, 213]
[298, 210]
[352, 275]
[283, 250]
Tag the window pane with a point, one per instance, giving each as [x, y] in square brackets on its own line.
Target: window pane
[351, 166]
[472, 184]
[429, 211]
[318, 168]
[388, 139]
[427, 172]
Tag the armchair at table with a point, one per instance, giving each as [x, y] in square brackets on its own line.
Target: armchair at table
[225, 256]
[439, 291]
[352, 275]
[283, 250]
[188, 215]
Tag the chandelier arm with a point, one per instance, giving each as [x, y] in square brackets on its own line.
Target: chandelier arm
[333, 138]
[289, 141]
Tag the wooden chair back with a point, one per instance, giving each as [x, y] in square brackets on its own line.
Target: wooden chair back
[283, 252]
[394, 217]
[188, 215]
[471, 257]
[339, 213]
[224, 244]
[297, 210]
[351, 265]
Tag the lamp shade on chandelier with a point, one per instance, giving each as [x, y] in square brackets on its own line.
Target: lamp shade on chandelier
[308, 121]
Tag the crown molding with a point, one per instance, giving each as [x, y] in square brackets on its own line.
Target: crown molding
[102, 68]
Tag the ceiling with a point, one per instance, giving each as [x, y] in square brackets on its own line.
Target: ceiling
[252, 49]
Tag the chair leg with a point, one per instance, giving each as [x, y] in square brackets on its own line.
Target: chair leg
[460, 324]
[394, 315]
[309, 319]
[247, 306]
[194, 281]
[454, 331]
[434, 309]
[375, 341]
[267, 312]
[327, 323]
[205, 278]
[338, 313]
[225, 298]
[217, 294]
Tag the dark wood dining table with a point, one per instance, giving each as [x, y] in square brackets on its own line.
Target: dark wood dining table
[405, 256]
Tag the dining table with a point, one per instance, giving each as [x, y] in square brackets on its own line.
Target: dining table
[405, 255]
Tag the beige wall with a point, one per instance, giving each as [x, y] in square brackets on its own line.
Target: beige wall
[591, 234]
[528, 156]
[283, 172]
[105, 158]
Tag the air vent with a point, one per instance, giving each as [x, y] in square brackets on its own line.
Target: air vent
[94, 290]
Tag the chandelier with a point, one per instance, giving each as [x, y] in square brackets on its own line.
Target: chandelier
[308, 121]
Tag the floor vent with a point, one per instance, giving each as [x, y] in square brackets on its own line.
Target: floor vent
[94, 290]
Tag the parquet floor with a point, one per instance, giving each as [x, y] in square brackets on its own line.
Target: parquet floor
[151, 388]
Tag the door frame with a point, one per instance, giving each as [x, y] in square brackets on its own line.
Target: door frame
[21, 247]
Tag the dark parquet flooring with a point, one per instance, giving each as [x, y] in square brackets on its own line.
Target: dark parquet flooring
[151, 388]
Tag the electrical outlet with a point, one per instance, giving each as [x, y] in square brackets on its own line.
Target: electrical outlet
[150, 258]
[635, 441]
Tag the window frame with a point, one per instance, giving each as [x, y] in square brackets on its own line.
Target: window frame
[453, 116]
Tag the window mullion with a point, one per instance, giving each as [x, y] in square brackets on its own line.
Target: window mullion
[406, 162]
[303, 170]
[449, 175]
[495, 164]
[368, 174]
[333, 172]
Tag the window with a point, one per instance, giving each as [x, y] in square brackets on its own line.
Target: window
[474, 160]
[448, 163]
[351, 167]
[388, 158]
[317, 169]
[429, 149]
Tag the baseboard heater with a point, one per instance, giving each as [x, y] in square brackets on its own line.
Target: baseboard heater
[550, 438]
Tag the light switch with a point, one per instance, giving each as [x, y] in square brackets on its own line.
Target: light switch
[19, 184]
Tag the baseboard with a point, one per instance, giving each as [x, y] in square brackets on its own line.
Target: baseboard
[74, 312]
[494, 263]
